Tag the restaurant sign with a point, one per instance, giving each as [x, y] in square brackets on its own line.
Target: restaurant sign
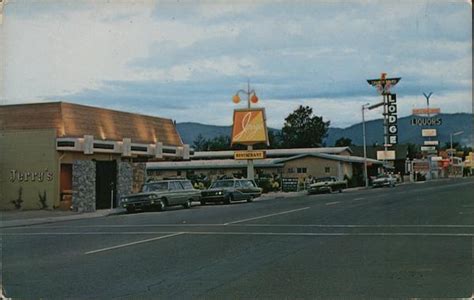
[238, 155]
[249, 127]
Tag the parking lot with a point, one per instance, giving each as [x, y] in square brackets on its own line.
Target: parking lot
[411, 241]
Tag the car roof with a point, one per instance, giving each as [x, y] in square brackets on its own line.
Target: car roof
[167, 180]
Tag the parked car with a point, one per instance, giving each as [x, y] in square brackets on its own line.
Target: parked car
[230, 190]
[327, 185]
[160, 194]
[384, 180]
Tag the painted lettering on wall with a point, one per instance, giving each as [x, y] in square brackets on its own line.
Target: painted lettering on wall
[31, 176]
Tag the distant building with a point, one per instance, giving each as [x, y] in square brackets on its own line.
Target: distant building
[62, 154]
[283, 163]
[397, 165]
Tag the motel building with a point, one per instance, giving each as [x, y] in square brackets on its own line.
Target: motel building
[67, 156]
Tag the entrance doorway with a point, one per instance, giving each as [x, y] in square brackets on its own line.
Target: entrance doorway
[105, 184]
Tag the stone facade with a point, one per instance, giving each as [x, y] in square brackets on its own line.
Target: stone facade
[139, 176]
[83, 186]
[124, 179]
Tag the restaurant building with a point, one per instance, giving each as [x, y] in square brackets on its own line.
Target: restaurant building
[64, 155]
[298, 164]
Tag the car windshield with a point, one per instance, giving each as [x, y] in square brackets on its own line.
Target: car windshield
[156, 186]
[382, 176]
[223, 184]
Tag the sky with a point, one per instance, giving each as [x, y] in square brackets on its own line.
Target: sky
[184, 60]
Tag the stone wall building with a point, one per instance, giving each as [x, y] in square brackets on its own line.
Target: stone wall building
[58, 155]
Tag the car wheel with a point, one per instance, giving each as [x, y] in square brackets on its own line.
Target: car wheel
[330, 190]
[250, 199]
[130, 209]
[228, 199]
[187, 204]
[161, 204]
[203, 202]
[340, 190]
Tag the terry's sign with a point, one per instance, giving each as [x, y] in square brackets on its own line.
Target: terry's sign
[25, 176]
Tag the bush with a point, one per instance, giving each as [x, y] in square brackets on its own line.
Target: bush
[267, 184]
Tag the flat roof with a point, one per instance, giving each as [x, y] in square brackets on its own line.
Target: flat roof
[212, 164]
[273, 152]
[258, 163]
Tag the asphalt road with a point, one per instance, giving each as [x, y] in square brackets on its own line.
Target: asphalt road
[411, 241]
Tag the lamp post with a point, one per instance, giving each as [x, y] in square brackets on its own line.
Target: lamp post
[251, 98]
[451, 140]
[364, 107]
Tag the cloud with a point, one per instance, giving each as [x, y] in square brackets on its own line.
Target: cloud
[185, 60]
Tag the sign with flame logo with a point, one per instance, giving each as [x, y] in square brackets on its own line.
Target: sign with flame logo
[249, 127]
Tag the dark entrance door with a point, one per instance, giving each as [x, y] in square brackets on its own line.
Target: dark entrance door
[105, 183]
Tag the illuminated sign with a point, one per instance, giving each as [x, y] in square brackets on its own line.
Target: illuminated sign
[428, 148]
[426, 121]
[386, 155]
[392, 119]
[426, 111]
[249, 127]
[249, 155]
[428, 132]
[431, 143]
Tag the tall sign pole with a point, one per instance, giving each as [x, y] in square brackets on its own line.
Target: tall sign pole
[389, 102]
[250, 168]
[249, 128]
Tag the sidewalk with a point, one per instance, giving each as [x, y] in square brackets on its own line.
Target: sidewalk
[35, 217]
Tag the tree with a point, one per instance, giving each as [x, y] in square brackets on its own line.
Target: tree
[343, 142]
[200, 143]
[221, 142]
[303, 130]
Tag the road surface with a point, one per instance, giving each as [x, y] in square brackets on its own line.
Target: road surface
[411, 241]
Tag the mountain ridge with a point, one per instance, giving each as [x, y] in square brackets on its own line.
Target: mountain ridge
[407, 133]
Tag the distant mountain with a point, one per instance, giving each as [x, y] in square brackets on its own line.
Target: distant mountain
[407, 133]
[374, 131]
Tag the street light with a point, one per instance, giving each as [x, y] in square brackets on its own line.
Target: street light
[364, 107]
[451, 139]
[251, 98]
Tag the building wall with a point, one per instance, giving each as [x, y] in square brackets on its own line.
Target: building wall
[347, 169]
[316, 167]
[212, 174]
[29, 169]
[83, 186]
[124, 179]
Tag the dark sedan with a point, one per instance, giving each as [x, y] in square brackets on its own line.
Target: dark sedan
[230, 190]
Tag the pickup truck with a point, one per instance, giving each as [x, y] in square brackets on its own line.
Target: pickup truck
[327, 185]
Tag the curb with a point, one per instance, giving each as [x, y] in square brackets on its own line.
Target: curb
[48, 220]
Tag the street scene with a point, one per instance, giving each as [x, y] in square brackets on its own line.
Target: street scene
[403, 242]
[237, 149]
